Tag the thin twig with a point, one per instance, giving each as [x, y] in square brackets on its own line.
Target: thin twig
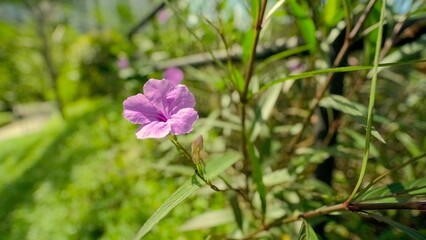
[321, 93]
[145, 20]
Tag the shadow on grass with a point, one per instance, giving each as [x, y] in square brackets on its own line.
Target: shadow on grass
[51, 165]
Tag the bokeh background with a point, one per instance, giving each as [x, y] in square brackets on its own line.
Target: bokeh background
[70, 165]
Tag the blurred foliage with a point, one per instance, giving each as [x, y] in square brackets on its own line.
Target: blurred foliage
[87, 177]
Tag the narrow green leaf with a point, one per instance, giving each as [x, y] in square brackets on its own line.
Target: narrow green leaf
[305, 23]
[307, 232]
[408, 143]
[281, 55]
[258, 176]
[332, 12]
[342, 104]
[213, 168]
[255, 5]
[236, 209]
[333, 70]
[356, 110]
[274, 8]
[358, 141]
[377, 135]
[264, 109]
[383, 175]
[405, 229]
[247, 45]
[237, 79]
[208, 220]
[395, 192]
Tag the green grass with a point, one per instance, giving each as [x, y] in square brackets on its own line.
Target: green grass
[87, 178]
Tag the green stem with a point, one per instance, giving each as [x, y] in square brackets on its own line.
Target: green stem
[198, 169]
[179, 147]
[371, 104]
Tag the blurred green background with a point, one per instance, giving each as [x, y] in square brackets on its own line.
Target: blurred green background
[70, 165]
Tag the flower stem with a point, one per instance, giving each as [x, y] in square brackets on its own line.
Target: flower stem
[179, 147]
[198, 168]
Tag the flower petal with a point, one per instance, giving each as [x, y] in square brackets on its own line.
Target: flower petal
[156, 91]
[168, 97]
[138, 110]
[182, 121]
[178, 98]
[153, 130]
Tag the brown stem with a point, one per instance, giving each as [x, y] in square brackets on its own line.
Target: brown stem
[357, 207]
[392, 39]
[294, 218]
[145, 20]
[250, 69]
[353, 207]
[247, 78]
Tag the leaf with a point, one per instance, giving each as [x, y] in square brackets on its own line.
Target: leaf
[208, 219]
[342, 104]
[247, 45]
[408, 143]
[358, 141]
[255, 5]
[264, 109]
[274, 8]
[258, 176]
[278, 177]
[395, 192]
[305, 23]
[332, 12]
[405, 229]
[351, 108]
[237, 79]
[213, 168]
[383, 175]
[281, 55]
[307, 232]
[377, 135]
[333, 70]
[236, 209]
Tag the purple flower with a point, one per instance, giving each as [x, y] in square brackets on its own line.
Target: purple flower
[165, 107]
[122, 63]
[173, 74]
[163, 15]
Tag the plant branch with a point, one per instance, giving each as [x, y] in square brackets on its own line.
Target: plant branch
[383, 175]
[321, 93]
[370, 114]
[358, 207]
[247, 78]
[294, 218]
[145, 20]
[250, 69]
[353, 207]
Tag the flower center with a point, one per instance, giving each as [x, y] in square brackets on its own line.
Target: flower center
[162, 117]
